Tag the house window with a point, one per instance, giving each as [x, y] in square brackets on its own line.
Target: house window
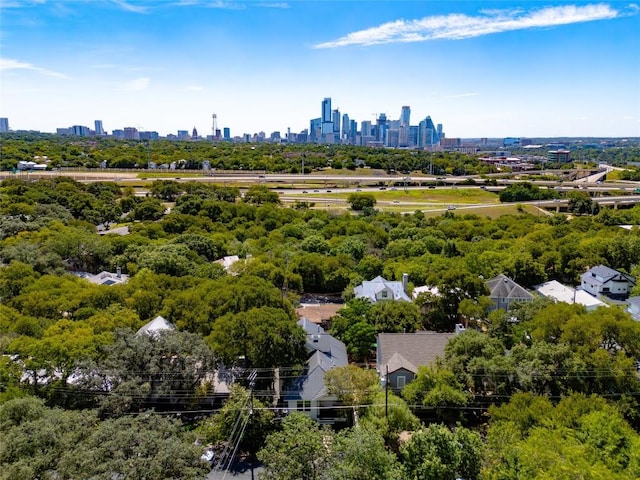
[383, 294]
[303, 405]
[401, 381]
[605, 289]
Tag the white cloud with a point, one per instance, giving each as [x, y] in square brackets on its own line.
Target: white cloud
[463, 95]
[460, 26]
[130, 7]
[137, 84]
[7, 64]
[273, 5]
[193, 88]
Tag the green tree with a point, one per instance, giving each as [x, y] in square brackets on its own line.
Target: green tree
[361, 201]
[260, 194]
[352, 385]
[437, 453]
[359, 453]
[261, 337]
[164, 370]
[300, 451]
[241, 409]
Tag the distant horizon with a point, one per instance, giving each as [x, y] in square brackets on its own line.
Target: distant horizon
[489, 138]
[548, 69]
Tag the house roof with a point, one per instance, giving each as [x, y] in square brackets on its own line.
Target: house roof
[562, 293]
[413, 349]
[369, 289]
[602, 274]
[435, 291]
[226, 262]
[634, 301]
[502, 286]
[321, 341]
[398, 362]
[326, 352]
[318, 312]
[156, 325]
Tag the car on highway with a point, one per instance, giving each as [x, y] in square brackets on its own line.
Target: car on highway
[396, 201]
[304, 191]
[451, 207]
[316, 191]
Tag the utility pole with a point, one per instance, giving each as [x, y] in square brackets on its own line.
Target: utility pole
[386, 394]
[252, 384]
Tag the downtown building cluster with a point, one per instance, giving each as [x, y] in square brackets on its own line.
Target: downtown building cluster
[331, 127]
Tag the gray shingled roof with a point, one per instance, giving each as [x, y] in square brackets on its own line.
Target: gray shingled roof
[326, 353]
[502, 286]
[416, 349]
[605, 273]
[369, 289]
[398, 362]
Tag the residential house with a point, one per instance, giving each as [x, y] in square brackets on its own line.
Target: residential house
[308, 393]
[633, 307]
[318, 313]
[602, 280]
[158, 324]
[505, 292]
[380, 289]
[561, 293]
[104, 277]
[399, 355]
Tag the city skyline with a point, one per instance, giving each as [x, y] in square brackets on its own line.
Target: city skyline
[520, 69]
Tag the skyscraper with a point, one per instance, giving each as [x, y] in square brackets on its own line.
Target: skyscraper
[326, 110]
[98, 127]
[427, 134]
[4, 125]
[327, 124]
[335, 118]
[403, 129]
[405, 116]
[345, 126]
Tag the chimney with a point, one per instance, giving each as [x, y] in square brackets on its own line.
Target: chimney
[118, 272]
[405, 283]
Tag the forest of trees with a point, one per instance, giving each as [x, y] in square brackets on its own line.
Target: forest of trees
[544, 391]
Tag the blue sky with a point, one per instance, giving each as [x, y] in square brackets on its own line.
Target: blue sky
[491, 68]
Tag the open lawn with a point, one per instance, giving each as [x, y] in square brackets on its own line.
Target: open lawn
[455, 196]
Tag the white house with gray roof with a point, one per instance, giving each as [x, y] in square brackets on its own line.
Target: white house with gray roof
[602, 280]
[308, 393]
[380, 289]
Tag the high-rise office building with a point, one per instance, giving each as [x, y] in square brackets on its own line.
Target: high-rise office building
[315, 129]
[327, 123]
[195, 133]
[403, 128]
[353, 131]
[345, 125]
[335, 118]
[381, 127]
[131, 133]
[427, 134]
[4, 125]
[80, 131]
[326, 110]
[365, 128]
[226, 133]
[405, 115]
[99, 129]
